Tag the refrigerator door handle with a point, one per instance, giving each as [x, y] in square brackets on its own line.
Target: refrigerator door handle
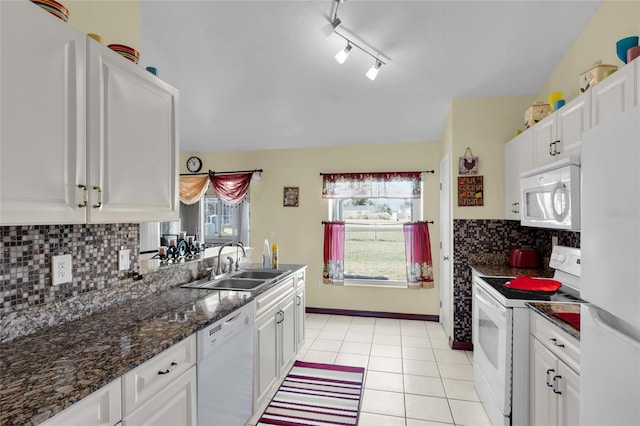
[623, 334]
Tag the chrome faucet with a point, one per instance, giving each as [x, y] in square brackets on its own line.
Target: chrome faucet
[238, 245]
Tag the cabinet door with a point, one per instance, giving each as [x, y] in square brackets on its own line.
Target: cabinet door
[543, 136]
[101, 408]
[132, 141]
[571, 121]
[613, 95]
[542, 399]
[267, 366]
[174, 405]
[517, 159]
[300, 316]
[42, 111]
[569, 401]
[287, 332]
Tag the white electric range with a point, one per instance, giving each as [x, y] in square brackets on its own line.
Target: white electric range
[501, 336]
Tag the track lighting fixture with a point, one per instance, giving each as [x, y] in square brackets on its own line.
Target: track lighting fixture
[353, 41]
[342, 55]
[373, 71]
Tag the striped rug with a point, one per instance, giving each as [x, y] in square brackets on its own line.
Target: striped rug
[316, 394]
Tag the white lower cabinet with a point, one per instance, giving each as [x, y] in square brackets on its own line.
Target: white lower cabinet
[275, 337]
[300, 314]
[162, 391]
[101, 408]
[554, 375]
[174, 405]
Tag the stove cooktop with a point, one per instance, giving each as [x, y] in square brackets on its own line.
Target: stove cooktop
[563, 294]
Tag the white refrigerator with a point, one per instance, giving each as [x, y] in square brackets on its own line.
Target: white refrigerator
[610, 283]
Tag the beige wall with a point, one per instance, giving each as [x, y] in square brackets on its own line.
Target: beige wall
[484, 125]
[298, 230]
[612, 21]
[117, 21]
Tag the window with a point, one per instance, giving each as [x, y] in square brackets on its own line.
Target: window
[374, 208]
[223, 223]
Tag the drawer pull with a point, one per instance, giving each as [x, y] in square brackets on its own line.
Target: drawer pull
[554, 341]
[170, 369]
[551, 370]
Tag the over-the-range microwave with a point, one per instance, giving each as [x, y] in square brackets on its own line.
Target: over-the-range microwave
[550, 195]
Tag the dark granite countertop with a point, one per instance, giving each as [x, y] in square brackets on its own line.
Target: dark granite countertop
[504, 270]
[43, 373]
[547, 309]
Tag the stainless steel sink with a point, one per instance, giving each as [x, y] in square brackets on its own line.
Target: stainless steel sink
[249, 279]
[260, 274]
[235, 284]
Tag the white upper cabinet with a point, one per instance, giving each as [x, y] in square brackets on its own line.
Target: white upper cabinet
[132, 141]
[560, 134]
[42, 117]
[517, 159]
[615, 94]
[86, 135]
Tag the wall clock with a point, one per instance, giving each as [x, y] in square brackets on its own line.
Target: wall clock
[194, 164]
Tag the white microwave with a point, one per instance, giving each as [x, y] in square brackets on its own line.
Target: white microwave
[550, 195]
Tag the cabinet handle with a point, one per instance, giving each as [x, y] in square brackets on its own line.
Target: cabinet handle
[551, 370]
[170, 369]
[554, 342]
[551, 148]
[99, 189]
[556, 144]
[84, 195]
[517, 207]
[298, 300]
[556, 385]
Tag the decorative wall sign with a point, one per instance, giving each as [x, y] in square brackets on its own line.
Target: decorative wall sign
[468, 164]
[470, 191]
[291, 196]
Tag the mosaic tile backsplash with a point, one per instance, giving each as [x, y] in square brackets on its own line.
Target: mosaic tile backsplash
[489, 241]
[26, 253]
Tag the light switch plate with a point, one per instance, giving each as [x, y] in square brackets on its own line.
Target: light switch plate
[61, 269]
[123, 260]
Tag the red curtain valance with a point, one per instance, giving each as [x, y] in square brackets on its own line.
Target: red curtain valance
[230, 188]
[371, 185]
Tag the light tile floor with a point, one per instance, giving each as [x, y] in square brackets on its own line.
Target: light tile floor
[412, 378]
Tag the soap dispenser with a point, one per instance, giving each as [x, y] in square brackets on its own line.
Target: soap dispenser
[266, 255]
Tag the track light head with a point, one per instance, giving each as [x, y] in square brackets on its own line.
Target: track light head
[342, 55]
[373, 71]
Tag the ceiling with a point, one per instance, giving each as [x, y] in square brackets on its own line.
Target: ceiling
[262, 75]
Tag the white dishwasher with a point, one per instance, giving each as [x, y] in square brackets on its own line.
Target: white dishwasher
[225, 369]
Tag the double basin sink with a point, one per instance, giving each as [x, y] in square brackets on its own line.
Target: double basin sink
[244, 280]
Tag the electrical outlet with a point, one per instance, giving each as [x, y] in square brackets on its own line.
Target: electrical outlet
[318, 283]
[61, 269]
[554, 241]
[123, 260]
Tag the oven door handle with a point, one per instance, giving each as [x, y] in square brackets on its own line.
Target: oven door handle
[485, 298]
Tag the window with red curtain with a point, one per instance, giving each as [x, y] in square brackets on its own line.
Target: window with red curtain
[374, 207]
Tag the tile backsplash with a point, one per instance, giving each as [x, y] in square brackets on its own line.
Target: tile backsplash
[26, 254]
[489, 241]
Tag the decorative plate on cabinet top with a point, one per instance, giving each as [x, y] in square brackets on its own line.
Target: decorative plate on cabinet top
[128, 52]
[53, 7]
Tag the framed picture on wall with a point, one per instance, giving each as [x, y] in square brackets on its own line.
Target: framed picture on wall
[291, 196]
